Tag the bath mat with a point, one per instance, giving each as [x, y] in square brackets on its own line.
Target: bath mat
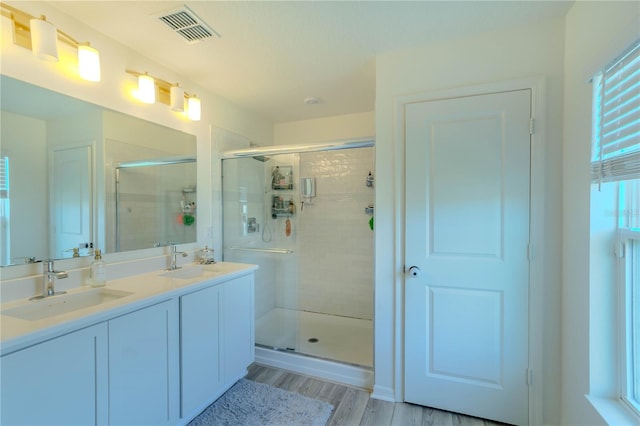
[249, 403]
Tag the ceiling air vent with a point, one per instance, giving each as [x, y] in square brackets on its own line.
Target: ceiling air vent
[187, 24]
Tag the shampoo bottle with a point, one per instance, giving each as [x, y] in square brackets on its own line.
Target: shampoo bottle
[98, 271]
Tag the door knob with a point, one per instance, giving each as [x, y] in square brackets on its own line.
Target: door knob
[414, 272]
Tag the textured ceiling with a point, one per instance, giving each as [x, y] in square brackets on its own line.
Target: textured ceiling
[272, 55]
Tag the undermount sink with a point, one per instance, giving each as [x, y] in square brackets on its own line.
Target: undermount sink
[185, 273]
[64, 303]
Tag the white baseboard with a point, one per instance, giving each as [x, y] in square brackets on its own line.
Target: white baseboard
[323, 369]
[384, 393]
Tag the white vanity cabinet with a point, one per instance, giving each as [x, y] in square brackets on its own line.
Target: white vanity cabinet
[217, 341]
[200, 364]
[144, 371]
[238, 335]
[159, 361]
[61, 381]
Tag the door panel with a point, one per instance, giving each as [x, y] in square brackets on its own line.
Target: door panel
[144, 366]
[467, 229]
[71, 199]
[460, 186]
[466, 322]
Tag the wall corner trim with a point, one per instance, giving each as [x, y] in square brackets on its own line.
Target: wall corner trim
[383, 393]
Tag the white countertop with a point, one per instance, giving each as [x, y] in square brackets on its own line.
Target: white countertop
[146, 289]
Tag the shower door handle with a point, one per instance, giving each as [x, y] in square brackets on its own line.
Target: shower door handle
[414, 272]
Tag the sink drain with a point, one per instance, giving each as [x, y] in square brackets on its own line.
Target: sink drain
[312, 340]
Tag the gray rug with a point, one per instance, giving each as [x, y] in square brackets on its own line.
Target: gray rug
[248, 403]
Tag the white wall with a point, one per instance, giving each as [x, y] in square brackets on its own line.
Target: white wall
[337, 127]
[115, 91]
[596, 32]
[517, 53]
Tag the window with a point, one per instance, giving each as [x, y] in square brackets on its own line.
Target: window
[615, 169]
[630, 318]
[5, 252]
[616, 120]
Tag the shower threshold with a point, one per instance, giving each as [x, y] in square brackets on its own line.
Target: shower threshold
[325, 369]
[302, 354]
[329, 337]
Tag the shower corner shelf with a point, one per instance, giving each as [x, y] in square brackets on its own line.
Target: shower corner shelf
[275, 214]
[281, 207]
[283, 187]
[282, 178]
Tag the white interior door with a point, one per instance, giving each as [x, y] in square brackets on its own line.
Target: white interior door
[467, 230]
[71, 195]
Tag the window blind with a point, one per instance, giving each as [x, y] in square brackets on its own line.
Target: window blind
[616, 120]
[4, 177]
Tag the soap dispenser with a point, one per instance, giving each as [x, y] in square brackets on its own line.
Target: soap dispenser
[98, 271]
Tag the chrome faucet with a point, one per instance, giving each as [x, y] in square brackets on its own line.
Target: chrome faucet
[48, 276]
[174, 258]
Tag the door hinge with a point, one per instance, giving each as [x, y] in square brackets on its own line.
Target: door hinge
[529, 377]
[529, 252]
[532, 126]
[618, 250]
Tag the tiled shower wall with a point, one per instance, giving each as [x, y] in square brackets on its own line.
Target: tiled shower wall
[335, 242]
[150, 209]
[330, 267]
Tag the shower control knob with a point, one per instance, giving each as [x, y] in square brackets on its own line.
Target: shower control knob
[414, 272]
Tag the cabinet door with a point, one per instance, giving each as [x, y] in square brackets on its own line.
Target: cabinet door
[143, 366]
[238, 327]
[62, 381]
[200, 344]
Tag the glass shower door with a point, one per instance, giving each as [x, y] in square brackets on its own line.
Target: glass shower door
[259, 206]
[305, 219]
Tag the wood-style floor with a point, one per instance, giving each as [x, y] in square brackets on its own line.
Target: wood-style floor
[353, 406]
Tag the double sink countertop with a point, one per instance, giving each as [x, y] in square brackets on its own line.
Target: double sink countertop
[27, 322]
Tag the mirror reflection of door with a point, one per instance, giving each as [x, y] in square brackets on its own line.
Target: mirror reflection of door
[34, 122]
[71, 189]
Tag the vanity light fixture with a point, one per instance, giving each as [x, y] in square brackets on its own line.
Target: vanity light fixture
[44, 39]
[41, 37]
[146, 89]
[194, 108]
[177, 98]
[167, 93]
[88, 62]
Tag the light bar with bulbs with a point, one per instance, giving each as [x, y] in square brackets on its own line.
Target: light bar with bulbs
[153, 89]
[41, 37]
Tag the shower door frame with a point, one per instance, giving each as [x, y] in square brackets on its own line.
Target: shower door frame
[261, 153]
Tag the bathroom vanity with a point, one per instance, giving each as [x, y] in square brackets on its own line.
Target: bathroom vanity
[154, 348]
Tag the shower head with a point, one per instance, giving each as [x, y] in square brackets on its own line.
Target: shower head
[261, 158]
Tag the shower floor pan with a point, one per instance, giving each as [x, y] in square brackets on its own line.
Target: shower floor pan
[341, 339]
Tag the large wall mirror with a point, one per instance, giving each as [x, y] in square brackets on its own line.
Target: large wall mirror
[75, 177]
